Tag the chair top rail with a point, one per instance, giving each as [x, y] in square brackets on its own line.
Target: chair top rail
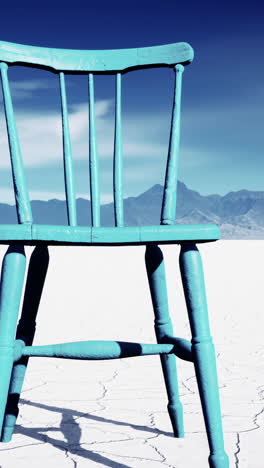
[96, 60]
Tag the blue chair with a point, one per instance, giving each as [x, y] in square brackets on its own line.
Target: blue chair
[16, 340]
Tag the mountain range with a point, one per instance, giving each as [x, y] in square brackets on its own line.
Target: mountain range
[240, 215]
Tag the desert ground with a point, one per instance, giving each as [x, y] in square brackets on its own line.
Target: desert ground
[113, 413]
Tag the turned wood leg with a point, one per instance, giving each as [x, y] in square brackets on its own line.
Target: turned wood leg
[37, 270]
[163, 328]
[203, 351]
[12, 279]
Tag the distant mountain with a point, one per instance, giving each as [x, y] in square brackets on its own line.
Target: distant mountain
[240, 215]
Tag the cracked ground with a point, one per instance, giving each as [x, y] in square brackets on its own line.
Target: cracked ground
[113, 413]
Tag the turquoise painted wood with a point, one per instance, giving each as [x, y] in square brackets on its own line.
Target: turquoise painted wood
[64, 235]
[24, 213]
[37, 271]
[16, 342]
[168, 212]
[118, 159]
[94, 171]
[203, 351]
[96, 60]
[164, 331]
[67, 153]
[98, 350]
[12, 278]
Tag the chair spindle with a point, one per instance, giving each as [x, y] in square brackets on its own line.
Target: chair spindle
[23, 207]
[118, 158]
[168, 212]
[67, 157]
[94, 169]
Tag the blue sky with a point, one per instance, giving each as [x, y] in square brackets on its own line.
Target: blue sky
[222, 140]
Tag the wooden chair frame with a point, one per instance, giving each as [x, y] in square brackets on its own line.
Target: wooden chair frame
[16, 340]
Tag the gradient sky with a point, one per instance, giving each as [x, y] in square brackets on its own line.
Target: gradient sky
[222, 139]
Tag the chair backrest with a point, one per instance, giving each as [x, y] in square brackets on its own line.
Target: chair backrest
[116, 62]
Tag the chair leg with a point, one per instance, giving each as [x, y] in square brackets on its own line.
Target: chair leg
[203, 351]
[12, 278]
[37, 271]
[163, 328]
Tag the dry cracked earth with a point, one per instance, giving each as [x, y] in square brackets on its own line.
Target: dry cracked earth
[113, 413]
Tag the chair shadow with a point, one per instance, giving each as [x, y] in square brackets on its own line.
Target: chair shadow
[71, 431]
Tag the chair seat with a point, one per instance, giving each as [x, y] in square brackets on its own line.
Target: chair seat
[34, 233]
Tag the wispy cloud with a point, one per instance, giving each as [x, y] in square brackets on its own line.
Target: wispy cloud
[24, 89]
[41, 134]
[213, 142]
